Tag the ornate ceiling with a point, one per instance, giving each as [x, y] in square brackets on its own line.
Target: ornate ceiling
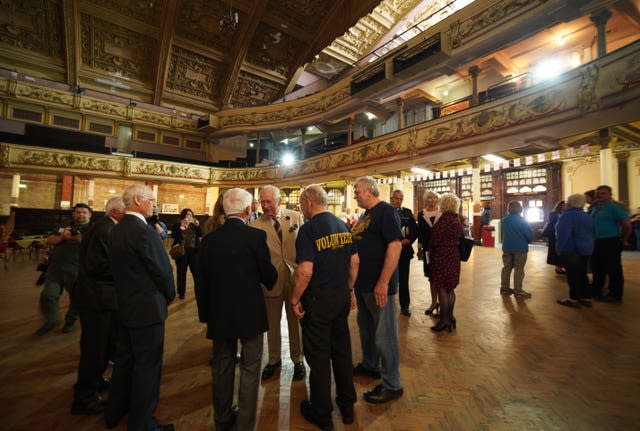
[181, 54]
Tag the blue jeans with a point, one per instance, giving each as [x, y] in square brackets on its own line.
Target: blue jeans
[379, 338]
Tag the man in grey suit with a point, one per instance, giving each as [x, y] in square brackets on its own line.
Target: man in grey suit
[234, 262]
[144, 285]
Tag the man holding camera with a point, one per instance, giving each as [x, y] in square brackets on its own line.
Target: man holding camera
[63, 269]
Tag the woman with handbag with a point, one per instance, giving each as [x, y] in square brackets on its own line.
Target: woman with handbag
[427, 218]
[186, 233]
[444, 259]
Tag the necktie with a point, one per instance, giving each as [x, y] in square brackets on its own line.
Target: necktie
[276, 226]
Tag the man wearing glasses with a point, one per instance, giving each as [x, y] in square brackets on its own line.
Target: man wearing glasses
[144, 286]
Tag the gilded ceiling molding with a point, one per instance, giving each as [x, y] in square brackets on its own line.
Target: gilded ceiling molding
[464, 29]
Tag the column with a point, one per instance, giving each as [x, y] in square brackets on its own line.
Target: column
[600, 19]
[302, 142]
[15, 190]
[608, 164]
[66, 191]
[91, 192]
[210, 200]
[623, 176]
[400, 104]
[474, 71]
[257, 149]
[350, 131]
[348, 196]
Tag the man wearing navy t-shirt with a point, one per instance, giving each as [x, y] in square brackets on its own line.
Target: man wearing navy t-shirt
[377, 237]
[322, 297]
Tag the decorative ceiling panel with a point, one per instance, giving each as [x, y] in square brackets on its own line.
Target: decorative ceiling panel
[116, 50]
[272, 49]
[144, 11]
[199, 21]
[253, 90]
[193, 74]
[309, 13]
[33, 25]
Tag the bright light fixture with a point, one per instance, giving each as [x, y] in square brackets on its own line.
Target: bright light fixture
[112, 191]
[250, 144]
[420, 171]
[549, 68]
[370, 116]
[288, 159]
[285, 141]
[22, 186]
[493, 158]
[445, 93]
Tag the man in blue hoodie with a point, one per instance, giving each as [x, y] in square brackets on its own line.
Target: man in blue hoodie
[517, 235]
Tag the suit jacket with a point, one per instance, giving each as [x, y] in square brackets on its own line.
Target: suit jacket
[142, 273]
[283, 253]
[409, 229]
[234, 260]
[95, 288]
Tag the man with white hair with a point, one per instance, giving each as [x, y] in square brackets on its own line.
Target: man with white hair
[281, 226]
[144, 286]
[235, 262]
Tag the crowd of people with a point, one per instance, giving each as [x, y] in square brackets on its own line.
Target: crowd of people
[317, 266]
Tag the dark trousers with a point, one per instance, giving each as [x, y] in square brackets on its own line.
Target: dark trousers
[97, 329]
[223, 377]
[326, 340]
[607, 260]
[135, 384]
[576, 267]
[190, 260]
[403, 288]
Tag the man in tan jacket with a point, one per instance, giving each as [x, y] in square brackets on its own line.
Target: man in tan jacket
[281, 226]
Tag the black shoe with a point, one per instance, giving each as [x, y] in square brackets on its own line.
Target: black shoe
[68, 327]
[269, 370]
[104, 384]
[299, 371]
[347, 413]
[360, 370]
[310, 416]
[92, 406]
[405, 312]
[442, 326]
[381, 395]
[228, 426]
[47, 327]
[432, 310]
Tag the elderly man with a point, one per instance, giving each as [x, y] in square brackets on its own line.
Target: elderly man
[144, 286]
[235, 255]
[613, 229]
[62, 272]
[409, 229]
[377, 237]
[95, 298]
[324, 280]
[281, 226]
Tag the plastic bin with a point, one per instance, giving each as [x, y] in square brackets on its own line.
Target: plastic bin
[488, 237]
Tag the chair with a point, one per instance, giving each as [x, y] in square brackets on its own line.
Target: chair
[16, 248]
[3, 254]
[34, 249]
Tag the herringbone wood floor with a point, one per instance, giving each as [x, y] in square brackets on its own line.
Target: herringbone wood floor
[511, 364]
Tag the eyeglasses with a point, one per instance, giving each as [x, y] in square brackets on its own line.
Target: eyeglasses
[148, 198]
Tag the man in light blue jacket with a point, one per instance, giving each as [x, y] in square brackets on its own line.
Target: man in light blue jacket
[517, 235]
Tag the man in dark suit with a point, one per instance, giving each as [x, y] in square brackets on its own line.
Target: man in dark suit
[255, 214]
[409, 229]
[234, 262]
[95, 299]
[144, 285]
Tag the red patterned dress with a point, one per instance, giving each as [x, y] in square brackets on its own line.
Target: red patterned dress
[444, 252]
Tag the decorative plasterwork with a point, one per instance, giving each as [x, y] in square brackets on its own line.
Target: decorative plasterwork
[38, 29]
[253, 90]
[193, 74]
[116, 50]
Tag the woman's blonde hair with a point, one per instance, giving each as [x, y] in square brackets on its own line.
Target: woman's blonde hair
[449, 203]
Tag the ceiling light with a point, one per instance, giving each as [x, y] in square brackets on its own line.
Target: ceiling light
[370, 116]
[493, 158]
[285, 141]
[288, 159]
[22, 186]
[445, 93]
[549, 68]
[420, 171]
[250, 144]
[112, 191]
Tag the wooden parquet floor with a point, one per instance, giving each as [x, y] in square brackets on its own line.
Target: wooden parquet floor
[511, 365]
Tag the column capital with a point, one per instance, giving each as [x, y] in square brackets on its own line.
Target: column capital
[601, 16]
[474, 71]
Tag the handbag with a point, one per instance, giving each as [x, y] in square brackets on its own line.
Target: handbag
[466, 245]
[177, 251]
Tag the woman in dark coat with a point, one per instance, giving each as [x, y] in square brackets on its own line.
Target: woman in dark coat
[427, 218]
[550, 233]
[444, 259]
[187, 232]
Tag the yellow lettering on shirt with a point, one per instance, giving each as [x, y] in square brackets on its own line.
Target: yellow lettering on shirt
[333, 241]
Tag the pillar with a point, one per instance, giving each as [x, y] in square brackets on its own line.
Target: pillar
[91, 192]
[66, 191]
[622, 159]
[400, 104]
[600, 19]
[474, 71]
[350, 131]
[608, 164]
[15, 190]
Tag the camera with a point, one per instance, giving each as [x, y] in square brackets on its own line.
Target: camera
[75, 230]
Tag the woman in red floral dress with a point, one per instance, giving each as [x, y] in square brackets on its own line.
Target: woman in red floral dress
[444, 259]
